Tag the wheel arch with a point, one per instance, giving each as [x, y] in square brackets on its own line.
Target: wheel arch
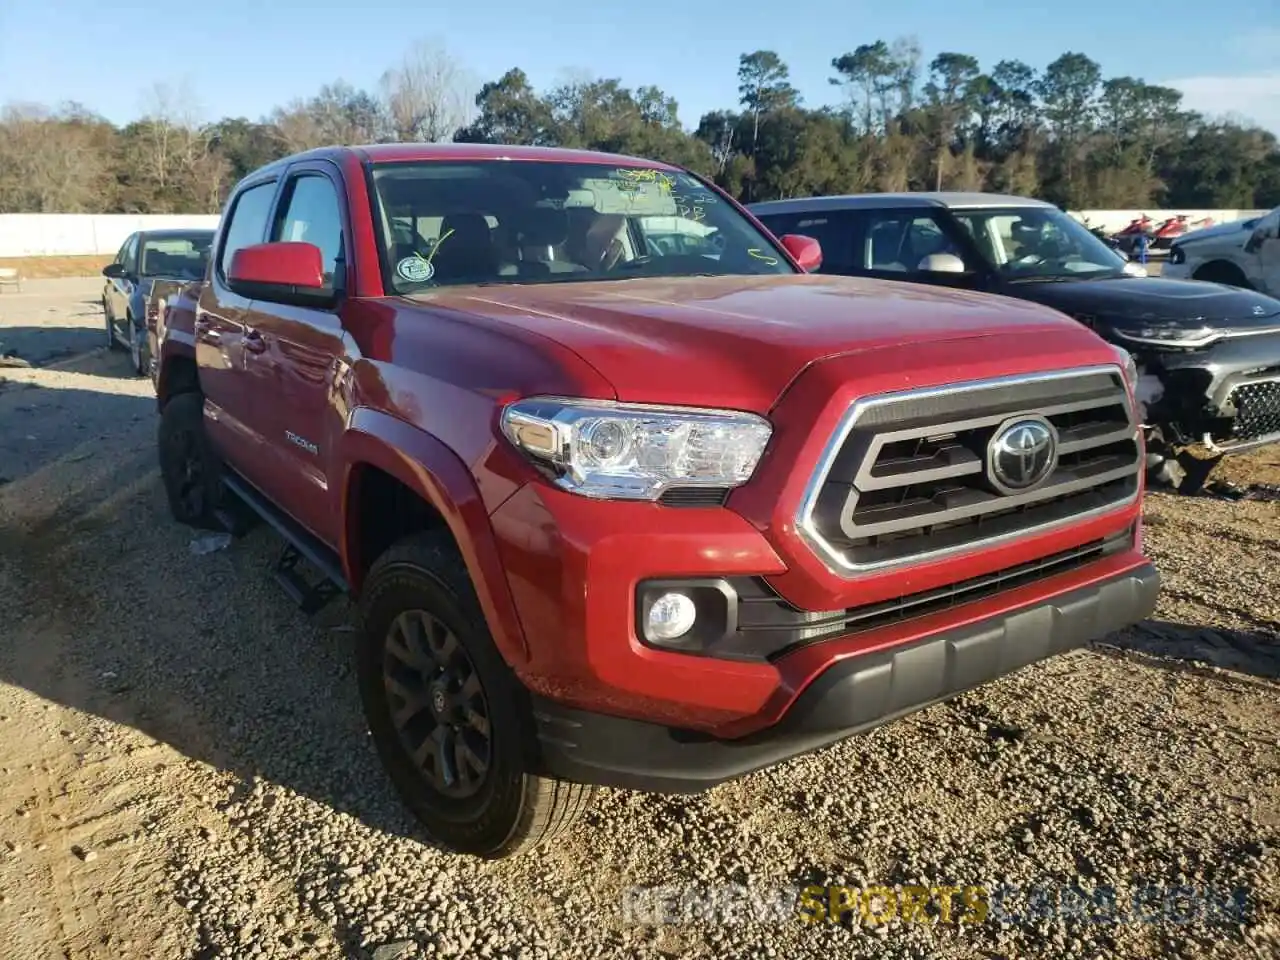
[1218, 269]
[376, 445]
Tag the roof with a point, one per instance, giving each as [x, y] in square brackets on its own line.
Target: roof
[163, 232]
[426, 152]
[855, 201]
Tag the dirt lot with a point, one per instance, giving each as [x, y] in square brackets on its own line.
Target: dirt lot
[184, 771]
[45, 268]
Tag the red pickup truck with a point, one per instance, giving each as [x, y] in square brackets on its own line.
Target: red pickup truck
[626, 496]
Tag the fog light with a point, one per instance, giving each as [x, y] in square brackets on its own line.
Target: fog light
[671, 616]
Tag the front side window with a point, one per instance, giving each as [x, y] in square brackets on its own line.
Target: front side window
[1039, 243]
[312, 216]
[129, 255]
[907, 241]
[248, 222]
[179, 256]
[503, 221]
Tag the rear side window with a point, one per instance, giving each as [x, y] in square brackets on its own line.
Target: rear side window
[311, 215]
[833, 229]
[248, 222]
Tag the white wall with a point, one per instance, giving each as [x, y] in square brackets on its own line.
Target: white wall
[77, 234]
[1114, 220]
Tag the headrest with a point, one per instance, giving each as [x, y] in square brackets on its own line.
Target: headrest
[541, 227]
[466, 228]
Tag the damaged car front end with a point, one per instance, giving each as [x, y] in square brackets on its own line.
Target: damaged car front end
[1207, 379]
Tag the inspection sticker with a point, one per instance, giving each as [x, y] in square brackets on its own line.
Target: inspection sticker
[416, 269]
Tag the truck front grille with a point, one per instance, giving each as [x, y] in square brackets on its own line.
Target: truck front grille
[1257, 410]
[926, 473]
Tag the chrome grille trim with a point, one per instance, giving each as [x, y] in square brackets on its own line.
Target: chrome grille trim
[953, 463]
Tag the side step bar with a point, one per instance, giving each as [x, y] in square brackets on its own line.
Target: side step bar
[298, 545]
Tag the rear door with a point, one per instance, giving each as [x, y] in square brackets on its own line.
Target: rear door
[231, 413]
[294, 354]
[833, 229]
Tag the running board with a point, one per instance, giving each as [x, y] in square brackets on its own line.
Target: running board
[299, 545]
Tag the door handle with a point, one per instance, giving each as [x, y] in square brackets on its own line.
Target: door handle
[253, 342]
[205, 331]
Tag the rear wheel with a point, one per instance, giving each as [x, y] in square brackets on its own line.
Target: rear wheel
[450, 722]
[188, 466]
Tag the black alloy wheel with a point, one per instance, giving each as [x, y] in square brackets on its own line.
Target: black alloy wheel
[437, 704]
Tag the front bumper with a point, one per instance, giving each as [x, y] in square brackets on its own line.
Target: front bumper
[1226, 395]
[850, 696]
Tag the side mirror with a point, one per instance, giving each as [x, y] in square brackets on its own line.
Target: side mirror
[285, 272]
[806, 251]
[113, 270]
[941, 263]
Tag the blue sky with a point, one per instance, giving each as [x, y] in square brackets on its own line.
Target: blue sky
[242, 57]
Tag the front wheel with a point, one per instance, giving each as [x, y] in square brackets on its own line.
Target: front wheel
[113, 341]
[450, 722]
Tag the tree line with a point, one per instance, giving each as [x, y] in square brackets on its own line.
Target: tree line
[1064, 133]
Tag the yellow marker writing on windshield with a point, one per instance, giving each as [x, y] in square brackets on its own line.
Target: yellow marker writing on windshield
[771, 261]
[427, 258]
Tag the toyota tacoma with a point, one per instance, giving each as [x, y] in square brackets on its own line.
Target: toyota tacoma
[623, 493]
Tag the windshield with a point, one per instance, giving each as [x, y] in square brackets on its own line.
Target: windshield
[181, 257]
[502, 221]
[1039, 243]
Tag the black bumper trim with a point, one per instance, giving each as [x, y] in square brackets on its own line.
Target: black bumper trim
[853, 696]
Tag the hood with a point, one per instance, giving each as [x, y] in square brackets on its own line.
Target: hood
[1229, 229]
[1138, 301]
[739, 341]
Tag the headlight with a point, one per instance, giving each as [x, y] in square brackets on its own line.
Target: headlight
[1128, 365]
[1177, 254]
[632, 451]
[1170, 336]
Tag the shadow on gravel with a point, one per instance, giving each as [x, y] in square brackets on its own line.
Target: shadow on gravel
[40, 426]
[41, 346]
[1255, 652]
[107, 611]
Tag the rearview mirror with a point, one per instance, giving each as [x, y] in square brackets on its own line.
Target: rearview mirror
[286, 272]
[113, 271]
[806, 251]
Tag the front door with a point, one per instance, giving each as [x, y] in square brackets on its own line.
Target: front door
[920, 245]
[294, 355]
[231, 414]
[120, 288]
[1269, 254]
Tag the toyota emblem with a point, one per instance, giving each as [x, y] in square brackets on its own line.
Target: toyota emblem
[1022, 453]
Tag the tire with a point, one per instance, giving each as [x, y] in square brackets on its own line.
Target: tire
[139, 348]
[113, 342]
[189, 468]
[1219, 271]
[419, 600]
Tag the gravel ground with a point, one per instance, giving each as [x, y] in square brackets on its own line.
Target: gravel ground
[184, 770]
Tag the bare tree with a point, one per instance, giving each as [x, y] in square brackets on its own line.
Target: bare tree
[170, 114]
[429, 95]
[50, 163]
